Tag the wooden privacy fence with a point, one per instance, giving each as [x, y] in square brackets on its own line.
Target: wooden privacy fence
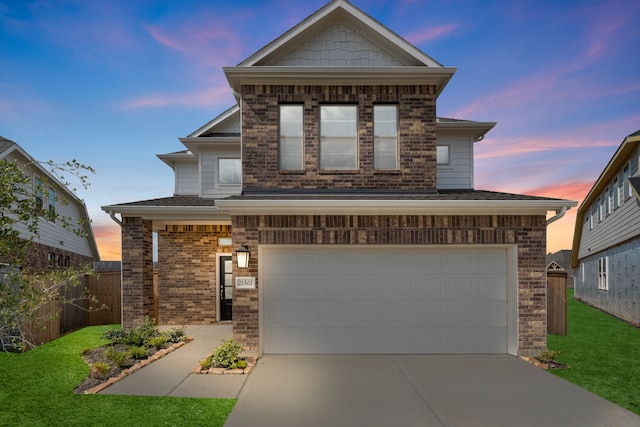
[105, 286]
[557, 302]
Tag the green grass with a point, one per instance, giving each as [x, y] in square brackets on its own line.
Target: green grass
[603, 352]
[36, 389]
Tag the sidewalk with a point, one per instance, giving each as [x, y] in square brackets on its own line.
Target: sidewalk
[172, 376]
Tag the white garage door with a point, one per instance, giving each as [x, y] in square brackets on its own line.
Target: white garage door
[377, 300]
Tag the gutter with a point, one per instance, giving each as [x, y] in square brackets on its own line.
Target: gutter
[112, 214]
[559, 214]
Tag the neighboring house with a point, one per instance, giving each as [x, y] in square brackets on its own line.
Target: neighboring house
[561, 261]
[606, 242]
[55, 247]
[355, 202]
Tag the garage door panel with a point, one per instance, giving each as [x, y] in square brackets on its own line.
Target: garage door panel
[375, 300]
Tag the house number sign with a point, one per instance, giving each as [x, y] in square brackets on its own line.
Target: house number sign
[245, 282]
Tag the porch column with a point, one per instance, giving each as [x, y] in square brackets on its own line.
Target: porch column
[137, 271]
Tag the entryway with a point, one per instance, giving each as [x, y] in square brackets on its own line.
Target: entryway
[225, 288]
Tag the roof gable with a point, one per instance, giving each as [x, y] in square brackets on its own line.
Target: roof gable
[226, 123]
[340, 27]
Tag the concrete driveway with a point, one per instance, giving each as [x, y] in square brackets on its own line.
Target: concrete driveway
[403, 391]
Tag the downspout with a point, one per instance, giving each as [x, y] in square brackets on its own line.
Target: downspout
[559, 214]
[113, 217]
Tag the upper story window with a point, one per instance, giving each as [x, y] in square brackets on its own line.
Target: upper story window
[229, 171]
[626, 185]
[442, 155]
[610, 197]
[291, 148]
[39, 195]
[52, 204]
[603, 206]
[338, 137]
[385, 137]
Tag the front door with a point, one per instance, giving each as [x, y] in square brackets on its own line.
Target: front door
[226, 288]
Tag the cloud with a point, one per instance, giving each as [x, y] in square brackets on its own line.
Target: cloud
[215, 96]
[431, 33]
[164, 39]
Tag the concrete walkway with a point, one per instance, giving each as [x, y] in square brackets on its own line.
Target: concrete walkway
[172, 376]
[449, 390]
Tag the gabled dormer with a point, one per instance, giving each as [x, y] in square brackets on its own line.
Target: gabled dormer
[211, 165]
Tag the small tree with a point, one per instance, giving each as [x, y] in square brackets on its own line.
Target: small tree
[23, 292]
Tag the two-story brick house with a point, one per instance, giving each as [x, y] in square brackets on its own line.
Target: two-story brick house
[356, 204]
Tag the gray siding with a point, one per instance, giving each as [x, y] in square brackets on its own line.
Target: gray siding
[187, 182]
[623, 297]
[458, 174]
[341, 46]
[619, 226]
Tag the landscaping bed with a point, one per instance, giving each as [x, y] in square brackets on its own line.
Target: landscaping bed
[127, 352]
[97, 380]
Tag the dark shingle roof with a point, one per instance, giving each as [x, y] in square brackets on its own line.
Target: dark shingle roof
[174, 201]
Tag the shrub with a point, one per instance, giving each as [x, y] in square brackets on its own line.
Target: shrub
[85, 351]
[226, 354]
[99, 370]
[119, 358]
[137, 336]
[549, 356]
[115, 335]
[158, 342]
[138, 352]
[241, 364]
[175, 335]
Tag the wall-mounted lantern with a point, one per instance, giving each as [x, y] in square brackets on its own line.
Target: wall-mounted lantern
[242, 256]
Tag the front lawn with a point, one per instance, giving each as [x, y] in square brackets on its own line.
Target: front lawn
[36, 389]
[603, 352]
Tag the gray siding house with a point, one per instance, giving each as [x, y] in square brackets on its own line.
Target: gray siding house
[606, 243]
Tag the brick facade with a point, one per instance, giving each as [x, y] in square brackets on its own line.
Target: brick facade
[187, 273]
[37, 258]
[416, 137]
[527, 232]
[137, 271]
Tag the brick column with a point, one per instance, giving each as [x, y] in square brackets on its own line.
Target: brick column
[137, 271]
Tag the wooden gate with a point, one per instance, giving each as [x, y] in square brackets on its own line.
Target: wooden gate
[557, 302]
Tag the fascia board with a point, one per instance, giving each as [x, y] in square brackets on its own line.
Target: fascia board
[475, 129]
[238, 76]
[466, 207]
[212, 123]
[202, 213]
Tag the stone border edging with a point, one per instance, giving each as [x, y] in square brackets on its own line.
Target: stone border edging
[138, 365]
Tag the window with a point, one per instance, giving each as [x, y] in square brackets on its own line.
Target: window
[610, 196]
[593, 217]
[39, 195]
[603, 279]
[385, 137]
[291, 137]
[52, 204]
[619, 192]
[603, 207]
[442, 155]
[626, 185]
[338, 137]
[229, 171]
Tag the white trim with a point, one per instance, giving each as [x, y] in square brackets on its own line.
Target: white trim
[379, 207]
[238, 76]
[217, 279]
